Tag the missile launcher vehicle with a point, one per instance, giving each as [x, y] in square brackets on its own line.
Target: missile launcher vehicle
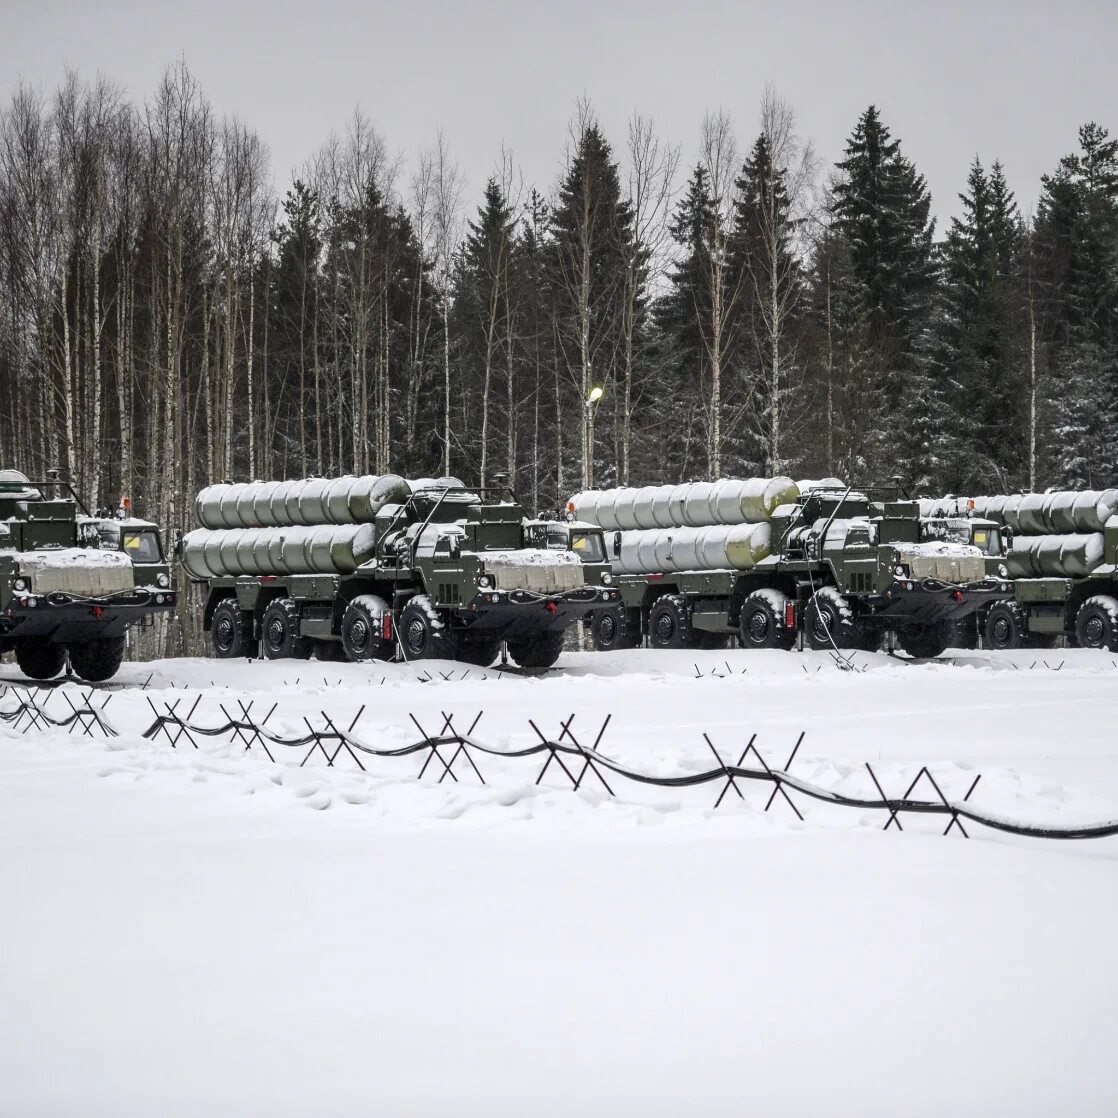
[373, 568]
[829, 564]
[71, 585]
[1063, 557]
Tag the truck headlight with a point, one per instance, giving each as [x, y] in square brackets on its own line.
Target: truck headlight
[484, 581]
[162, 580]
[899, 570]
[20, 584]
[607, 578]
[1003, 570]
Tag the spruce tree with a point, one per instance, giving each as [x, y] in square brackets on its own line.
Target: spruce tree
[682, 315]
[881, 209]
[1077, 238]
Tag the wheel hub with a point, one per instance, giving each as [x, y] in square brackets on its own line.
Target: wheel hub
[417, 637]
[1002, 631]
[223, 634]
[758, 626]
[276, 633]
[608, 629]
[665, 627]
[359, 634]
[1094, 631]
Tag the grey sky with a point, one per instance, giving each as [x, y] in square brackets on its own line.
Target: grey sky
[1001, 80]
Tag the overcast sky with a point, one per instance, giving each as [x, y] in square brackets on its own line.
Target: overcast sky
[1009, 81]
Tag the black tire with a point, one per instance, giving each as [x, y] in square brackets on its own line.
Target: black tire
[1006, 626]
[1096, 623]
[669, 624]
[928, 641]
[611, 629]
[539, 651]
[829, 620]
[97, 660]
[475, 650]
[763, 621]
[279, 632]
[231, 631]
[363, 630]
[39, 659]
[422, 633]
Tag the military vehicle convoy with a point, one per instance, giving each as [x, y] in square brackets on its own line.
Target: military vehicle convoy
[71, 585]
[368, 568]
[765, 560]
[1063, 558]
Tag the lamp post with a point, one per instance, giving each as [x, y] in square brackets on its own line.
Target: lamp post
[588, 470]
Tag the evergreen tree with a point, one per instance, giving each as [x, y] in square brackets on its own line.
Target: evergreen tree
[682, 316]
[1077, 236]
[881, 209]
[980, 336]
[770, 305]
[589, 246]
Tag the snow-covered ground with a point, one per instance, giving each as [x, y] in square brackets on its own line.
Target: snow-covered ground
[203, 932]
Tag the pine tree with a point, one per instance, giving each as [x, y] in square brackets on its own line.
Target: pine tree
[881, 210]
[590, 239]
[773, 291]
[980, 336]
[481, 312]
[682, 316]
[1077, 236]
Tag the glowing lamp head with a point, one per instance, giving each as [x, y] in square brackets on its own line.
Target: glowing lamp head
[595, 394]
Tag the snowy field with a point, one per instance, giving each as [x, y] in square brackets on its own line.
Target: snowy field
[201, 932]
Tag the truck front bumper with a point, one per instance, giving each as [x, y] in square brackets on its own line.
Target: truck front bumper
[928, 600]
[67, 618]
[505, 613]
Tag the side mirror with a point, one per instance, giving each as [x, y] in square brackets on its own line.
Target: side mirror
[617, 545]
[177, 545]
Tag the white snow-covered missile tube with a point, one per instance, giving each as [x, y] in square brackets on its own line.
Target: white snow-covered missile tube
[718, 547]
[317, 549]
[304, 503]
[1063, 512]
[696, 504]
[1055, 555]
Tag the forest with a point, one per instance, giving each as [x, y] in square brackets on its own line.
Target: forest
[170, 316]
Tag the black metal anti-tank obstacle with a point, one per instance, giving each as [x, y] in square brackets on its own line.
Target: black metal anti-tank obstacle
[174, 723]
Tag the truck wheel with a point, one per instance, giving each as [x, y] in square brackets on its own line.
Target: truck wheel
[669, 625]
[1007, 626]
[610, 629]
[363, 630]
[539, 651]
[1096, 623]
[928, 641]
[39, 659]
[421, 631]
[829, 620]
[280, 632]
[763, 621]
[231, 631]
[97, 660]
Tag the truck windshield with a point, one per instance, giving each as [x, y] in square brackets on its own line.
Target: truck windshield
[988, 539]
[588, 547]
[141, 547]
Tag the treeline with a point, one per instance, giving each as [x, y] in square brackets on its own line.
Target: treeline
[167, 317]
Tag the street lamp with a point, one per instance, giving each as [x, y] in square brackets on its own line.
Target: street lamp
[591, 400]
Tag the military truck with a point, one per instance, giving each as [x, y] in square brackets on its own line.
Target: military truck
[370, 568]
[66, 593]
[834, 566]
[1063, 558]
